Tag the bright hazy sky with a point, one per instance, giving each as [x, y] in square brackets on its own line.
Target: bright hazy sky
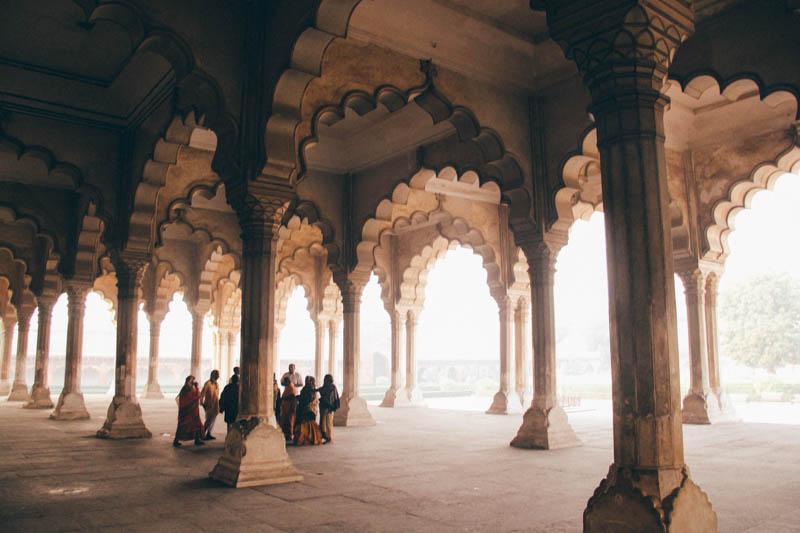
[460, 318]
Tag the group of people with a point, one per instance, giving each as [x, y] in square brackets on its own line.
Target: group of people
[296, 408]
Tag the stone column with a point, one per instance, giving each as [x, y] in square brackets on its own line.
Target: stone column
[19, 390]
[40, 392]
[5, 366]
[215, 359]
[152, 391]
[500, 403]
[319, 350]
[623, 53]
[333, 338]
[724, 407]
[124, 417]
[255, 451]
[545, 425]
[70, 404]
[353, 411]
[522, 354]
[411, 394]
[398, 325]
[231, 352]
[697, 409]
[197, 346]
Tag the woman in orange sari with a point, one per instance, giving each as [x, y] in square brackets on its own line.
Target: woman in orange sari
[189, 424]
[307, 432]
[288, 408]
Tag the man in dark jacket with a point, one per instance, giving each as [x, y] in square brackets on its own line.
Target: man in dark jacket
[229, 401]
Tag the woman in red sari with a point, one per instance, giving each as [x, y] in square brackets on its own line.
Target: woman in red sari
[189, 425]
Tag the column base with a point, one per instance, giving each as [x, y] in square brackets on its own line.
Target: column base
[70, 407]
[353, 412]
[623, 503]
[5, 387]
[255, 455]
[152, 391]
[124, 421]
[390, 398]
[707, 409]
[19, 393]
[40, 399]
[525, 399]
[504, 403]
[410, 398]
[545, 430]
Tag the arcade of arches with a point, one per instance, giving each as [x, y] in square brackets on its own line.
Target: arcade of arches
[238, 152]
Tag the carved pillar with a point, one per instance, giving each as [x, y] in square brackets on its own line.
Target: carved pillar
[5, 366]
[500, 402]
[70, 404]
[623, 52]
[40, 392]
[398, 325]
[724, 407]
[124, 417]
[522, 365]
[216, 363]
[545, 424]
[255, 451]
[152, 391]
[411, 393]
[697, 409]
[332, 340]
[19, 390]
[319, 350]
[197, 346]
[353, 411]
[231, 352]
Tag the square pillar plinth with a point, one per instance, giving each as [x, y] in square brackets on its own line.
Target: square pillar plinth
[40, 399]
[70, 407]
[255, 455]
[124, 421]
[353, 413]
[545, 430]
[709, 408]
[19, 393]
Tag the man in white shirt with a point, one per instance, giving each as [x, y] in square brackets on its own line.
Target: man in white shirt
[293, 376]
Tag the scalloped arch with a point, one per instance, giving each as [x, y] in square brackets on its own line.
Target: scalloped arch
[580, 170]
[740, 196]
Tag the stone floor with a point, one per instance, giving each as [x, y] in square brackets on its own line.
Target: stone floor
[417, 470]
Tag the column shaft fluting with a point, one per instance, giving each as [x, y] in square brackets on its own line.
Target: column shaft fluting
[19, 389]
[124, 417]
[70, 404]
[5, 365]
[255, 451]
[197, 346]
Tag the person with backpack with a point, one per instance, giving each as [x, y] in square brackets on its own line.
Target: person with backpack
[328, 404]
[229, 401]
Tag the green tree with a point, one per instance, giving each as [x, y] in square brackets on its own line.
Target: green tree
[760, 321]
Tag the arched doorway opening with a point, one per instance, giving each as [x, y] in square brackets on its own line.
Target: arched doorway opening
[458, 334]
[758, 306]
[296, 336]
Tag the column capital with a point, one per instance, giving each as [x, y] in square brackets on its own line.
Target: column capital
[261, 205]
[693, 280]
[129, 269]
[625, 47]
[77, 292]
[45, 304]
[351, 290]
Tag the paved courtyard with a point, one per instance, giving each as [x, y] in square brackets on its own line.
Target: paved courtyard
[417, 470]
